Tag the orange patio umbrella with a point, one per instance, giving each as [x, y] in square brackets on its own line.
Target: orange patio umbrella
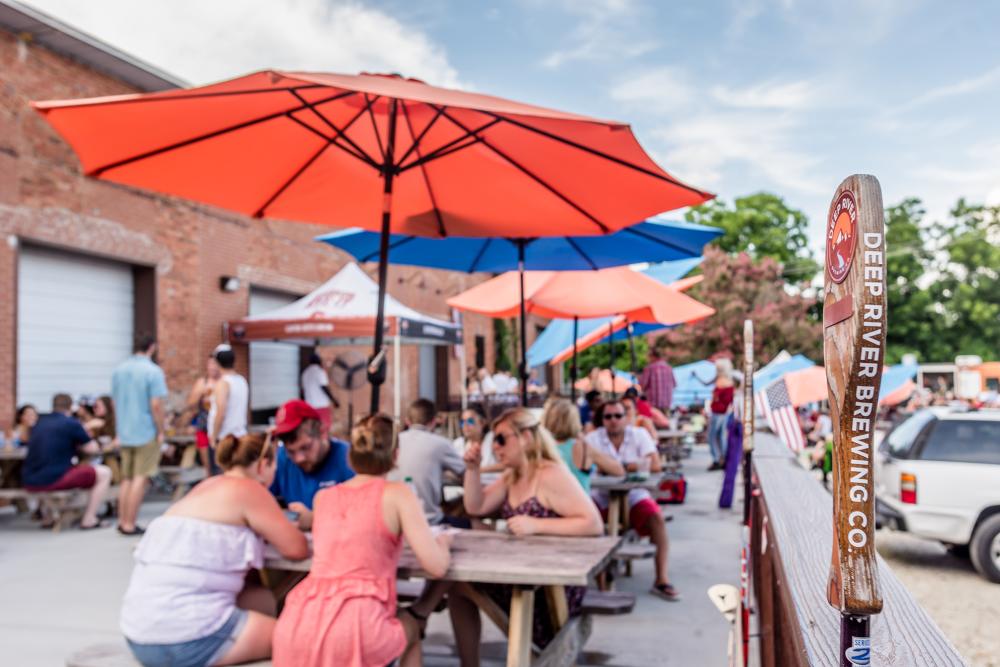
[604, 383]
[582, 294]
[622, 322]
[807, 385]
[379, 152]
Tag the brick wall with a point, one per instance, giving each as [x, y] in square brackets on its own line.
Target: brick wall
[45, 199]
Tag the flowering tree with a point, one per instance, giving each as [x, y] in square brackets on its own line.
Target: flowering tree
[739, 287]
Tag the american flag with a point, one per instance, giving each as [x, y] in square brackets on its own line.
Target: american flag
[780, 415]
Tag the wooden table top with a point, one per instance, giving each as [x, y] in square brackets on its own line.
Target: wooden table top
[609, 483]
[13, 453]
[484, 556]
[665, 433]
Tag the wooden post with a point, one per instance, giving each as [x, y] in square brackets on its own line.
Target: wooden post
[522, 608]
[854, 321]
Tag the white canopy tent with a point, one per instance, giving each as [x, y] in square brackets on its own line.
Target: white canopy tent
[342, 311]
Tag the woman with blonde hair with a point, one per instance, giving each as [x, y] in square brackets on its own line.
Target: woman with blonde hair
[187, 604]
[562, 419]
[722, 400]
[536, 495]
[344, 613]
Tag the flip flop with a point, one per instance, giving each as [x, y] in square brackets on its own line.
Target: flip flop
[135, 531]
[666, 591]
[99, 524]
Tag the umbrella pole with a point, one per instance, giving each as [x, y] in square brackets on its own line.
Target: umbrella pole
[631, 345]
[572, 367]
[611, 365]
[376, 374]
[523, 366]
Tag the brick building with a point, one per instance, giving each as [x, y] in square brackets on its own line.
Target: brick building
[85, 264]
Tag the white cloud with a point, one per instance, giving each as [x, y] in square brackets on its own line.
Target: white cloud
[605, 29]
[769, 95]
[661, 89]
[207, 41]
[979, 83]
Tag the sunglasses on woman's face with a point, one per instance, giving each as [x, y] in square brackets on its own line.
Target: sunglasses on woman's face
[469, 421]
[500, 439]
[614, 415]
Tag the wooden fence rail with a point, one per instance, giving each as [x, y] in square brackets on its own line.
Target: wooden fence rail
[790, 560]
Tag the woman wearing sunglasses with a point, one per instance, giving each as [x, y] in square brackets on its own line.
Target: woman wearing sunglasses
[536, 495]
[476, 432]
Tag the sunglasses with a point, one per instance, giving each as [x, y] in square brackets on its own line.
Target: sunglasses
[468, 421]
[614, 415]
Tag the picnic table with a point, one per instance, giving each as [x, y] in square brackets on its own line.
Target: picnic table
[11, 459]
[618, 488]
[527, 563]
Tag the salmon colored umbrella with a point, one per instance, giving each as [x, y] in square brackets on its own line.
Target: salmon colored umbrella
[582, 294]
[807, 385]
[569, 294]
[379, 152]
[621, 322]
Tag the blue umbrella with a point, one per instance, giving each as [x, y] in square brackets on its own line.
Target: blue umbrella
[765, 376]
[650, 241]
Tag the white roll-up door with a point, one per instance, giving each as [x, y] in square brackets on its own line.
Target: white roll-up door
[274, 367]
[427, 378]
[75, 316]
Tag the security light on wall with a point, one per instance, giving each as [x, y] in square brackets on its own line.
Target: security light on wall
[229, 283]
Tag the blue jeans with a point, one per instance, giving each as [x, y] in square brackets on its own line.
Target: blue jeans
[717, 437]
[201, 652]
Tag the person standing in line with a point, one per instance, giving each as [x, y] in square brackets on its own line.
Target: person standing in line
[316, 391]
[658, 382]
[230, 399]
[138, 389]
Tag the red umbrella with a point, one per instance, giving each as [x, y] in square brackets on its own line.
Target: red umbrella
[379, 152]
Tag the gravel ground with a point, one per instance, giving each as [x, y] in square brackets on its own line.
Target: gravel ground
[964, 605]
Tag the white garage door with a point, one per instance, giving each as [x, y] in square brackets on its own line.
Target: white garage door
[74, 324]
[274, 367]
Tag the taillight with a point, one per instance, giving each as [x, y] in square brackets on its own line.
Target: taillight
[908, 488]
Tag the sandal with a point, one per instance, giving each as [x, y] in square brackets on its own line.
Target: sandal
[99, 524]
[128, 533]
[666, 591]
[421, 620]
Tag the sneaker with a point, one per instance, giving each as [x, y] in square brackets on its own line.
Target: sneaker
[666, 591]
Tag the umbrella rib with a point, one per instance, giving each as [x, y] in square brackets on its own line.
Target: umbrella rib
[536, 178]
[577, 247]
[662, 242]
[203, 137]
[308, 163]
[601, 154]
[427, 179]
[420, 137]
[140, 99]
[479, 256]
[333, 142]
[378, 135]
[451, 146]
[342, 133]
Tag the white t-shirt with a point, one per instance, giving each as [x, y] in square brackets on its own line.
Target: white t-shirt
[487, 385]
[234, 420]
[825, 425]
[636, 445]
[314, 378]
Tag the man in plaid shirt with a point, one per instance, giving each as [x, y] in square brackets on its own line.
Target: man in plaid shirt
[657, 382]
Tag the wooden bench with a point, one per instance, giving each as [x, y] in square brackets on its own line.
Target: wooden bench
[118, 655]
[634, 550]
[181, 478]
[607, 603]
[64, 507]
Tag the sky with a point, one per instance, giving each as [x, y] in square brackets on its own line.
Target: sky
[731, 96]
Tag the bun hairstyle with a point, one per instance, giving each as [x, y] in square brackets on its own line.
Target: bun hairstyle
[244, 452]
[373, 445]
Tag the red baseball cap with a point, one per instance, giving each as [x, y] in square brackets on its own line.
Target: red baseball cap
[293, 413]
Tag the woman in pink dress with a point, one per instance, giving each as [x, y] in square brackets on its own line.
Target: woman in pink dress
[344, 613]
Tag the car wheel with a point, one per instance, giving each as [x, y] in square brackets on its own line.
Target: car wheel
[985, 549]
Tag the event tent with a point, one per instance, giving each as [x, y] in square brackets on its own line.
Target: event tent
[342, 311]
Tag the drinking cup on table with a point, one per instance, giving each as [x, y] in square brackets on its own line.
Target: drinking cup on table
[642, 467]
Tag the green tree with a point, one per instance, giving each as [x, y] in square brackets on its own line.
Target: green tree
[599, 356]
[503, 341]
[909, 257]
[762, 225]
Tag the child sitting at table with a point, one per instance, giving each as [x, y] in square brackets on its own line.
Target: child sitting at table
[536, 495]
[344, 613]
[187, 604]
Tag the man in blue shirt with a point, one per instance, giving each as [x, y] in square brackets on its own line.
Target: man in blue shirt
[308, 459]
[55, 441]
[138, 389]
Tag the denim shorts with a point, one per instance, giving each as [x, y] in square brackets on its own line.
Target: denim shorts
[201, 652]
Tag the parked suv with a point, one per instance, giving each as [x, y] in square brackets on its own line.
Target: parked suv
[938, 477]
